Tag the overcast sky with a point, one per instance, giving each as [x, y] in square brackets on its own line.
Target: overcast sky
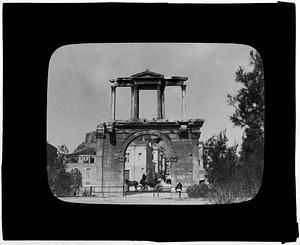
[79, 87]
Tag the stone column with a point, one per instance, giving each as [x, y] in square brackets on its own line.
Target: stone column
[134, 102]
[137, 102]
[100, 156]
[163, 102]
[159, 102]
[113, 103]
[183, 104]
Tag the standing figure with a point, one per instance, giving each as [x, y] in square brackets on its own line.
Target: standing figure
[148, 177]
[178, 188]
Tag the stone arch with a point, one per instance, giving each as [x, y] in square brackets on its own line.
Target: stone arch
[135, 135]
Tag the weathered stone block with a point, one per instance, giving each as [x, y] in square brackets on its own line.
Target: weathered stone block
[182, 151]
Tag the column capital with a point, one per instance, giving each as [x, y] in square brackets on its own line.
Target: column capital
[183, 86]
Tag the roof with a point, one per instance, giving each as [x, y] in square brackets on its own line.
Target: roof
[148, 77]
[147, 74]
[87, 151]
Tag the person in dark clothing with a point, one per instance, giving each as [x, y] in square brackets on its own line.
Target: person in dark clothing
[178, 188]
[148, 177]
[143, 180]
[144, 177]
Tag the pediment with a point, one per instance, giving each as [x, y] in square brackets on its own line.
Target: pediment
[147, 74]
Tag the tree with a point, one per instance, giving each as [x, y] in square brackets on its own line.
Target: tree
[249, 104]
[64, 184]
[220, 161]
[76, 179]
[63, 149]
[61, 182]
[53, 166]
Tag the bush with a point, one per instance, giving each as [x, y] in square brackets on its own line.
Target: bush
[221, 195]
[233, 192]
[198, 191]
[230, 193]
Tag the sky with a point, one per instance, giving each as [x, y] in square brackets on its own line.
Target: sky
[79, 88]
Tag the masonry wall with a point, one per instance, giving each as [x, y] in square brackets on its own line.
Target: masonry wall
[184, 160]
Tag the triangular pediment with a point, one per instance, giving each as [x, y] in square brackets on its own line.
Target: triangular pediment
[147, 74]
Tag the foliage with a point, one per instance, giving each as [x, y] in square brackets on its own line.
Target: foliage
[198, 191]
[219, 160]
[61, 182]
[238, 178]
[249, 104]
[53, 166]
[63, 149]
[76, 180]
[224, 171]
[64, 183]
[229, 193]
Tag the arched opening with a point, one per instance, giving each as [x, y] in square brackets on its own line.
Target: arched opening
[146, 155]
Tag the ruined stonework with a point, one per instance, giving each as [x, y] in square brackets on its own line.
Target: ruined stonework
[181, 137]
[182, 150]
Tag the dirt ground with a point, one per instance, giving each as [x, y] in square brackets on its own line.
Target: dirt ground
[141, 198]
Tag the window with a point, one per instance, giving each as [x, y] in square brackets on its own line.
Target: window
[139, 157]
[127, 157]
[88, 173]
[91, 160]
[127, 174]
[86, 159]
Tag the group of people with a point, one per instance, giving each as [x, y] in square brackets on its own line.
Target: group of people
[144, 181]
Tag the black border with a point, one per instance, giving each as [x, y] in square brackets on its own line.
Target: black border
[32, 32]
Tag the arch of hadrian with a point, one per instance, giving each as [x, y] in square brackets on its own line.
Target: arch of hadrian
[181, 136]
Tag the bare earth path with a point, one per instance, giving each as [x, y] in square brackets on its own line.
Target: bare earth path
[141, 198]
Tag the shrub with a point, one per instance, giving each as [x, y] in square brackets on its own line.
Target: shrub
[221, 195]
[198, 191]
[229, 193]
